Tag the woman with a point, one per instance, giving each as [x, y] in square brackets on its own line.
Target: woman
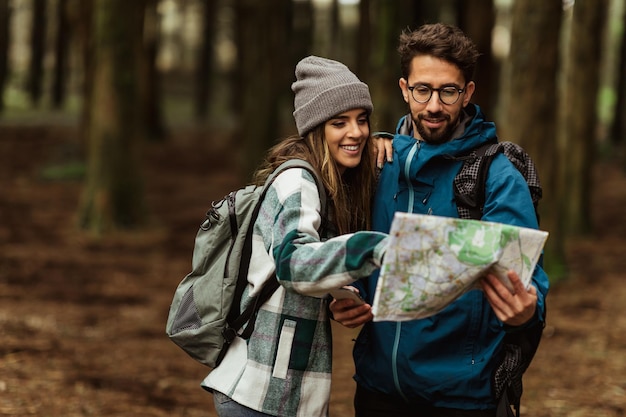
[285, 367]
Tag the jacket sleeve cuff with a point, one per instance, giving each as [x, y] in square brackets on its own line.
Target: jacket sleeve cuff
[379, 252]
[534, 321]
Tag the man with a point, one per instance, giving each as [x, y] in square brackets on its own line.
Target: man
[441, 365]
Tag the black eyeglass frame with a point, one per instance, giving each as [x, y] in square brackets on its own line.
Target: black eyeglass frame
[438, 90]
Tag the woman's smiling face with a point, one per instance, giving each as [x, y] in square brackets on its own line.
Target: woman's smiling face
[346, 135]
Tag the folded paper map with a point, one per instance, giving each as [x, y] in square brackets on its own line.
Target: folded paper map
[433, 260]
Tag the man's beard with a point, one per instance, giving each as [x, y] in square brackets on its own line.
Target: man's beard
[438, 136]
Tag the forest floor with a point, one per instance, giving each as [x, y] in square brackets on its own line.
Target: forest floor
[82, 320]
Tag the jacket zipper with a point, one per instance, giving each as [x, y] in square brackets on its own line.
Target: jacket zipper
[396, 342]
[407, 175]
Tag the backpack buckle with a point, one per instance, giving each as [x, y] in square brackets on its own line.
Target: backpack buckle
[229, 334]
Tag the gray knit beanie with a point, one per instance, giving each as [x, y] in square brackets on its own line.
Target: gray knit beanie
[325, 88]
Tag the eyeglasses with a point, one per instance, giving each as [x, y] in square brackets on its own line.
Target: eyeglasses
[447, 95]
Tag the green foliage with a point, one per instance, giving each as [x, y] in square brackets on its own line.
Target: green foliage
[64, 172]
[555, 266]
[607, 97]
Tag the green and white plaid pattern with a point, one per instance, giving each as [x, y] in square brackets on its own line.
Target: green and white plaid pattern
[285, 368]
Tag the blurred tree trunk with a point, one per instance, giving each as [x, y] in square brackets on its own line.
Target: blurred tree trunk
[385, 63]
[423, 11]
[477, 19]
[262, 36]
[618, 130]
[37, 51]
[113, 196]
[205, 59]
[150, 82]
[80, 15]
[336, 50]
[580, 117]
[364, 41]
[392, 17]
[301, 34]
[532, 103]
[5, 18]
[62, 41]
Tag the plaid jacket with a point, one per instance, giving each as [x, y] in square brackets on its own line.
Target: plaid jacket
[285, 367]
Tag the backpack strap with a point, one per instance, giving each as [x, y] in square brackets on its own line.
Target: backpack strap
[236, 320]
[519, 350]
[469, 183]
[524, 164]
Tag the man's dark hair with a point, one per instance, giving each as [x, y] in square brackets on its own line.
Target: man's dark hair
[441, 41]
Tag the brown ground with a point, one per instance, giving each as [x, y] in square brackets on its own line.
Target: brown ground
[82, 320]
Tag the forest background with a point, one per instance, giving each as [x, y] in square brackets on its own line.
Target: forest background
[120, 122]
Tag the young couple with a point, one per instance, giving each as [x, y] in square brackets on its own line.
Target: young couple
[438, 366]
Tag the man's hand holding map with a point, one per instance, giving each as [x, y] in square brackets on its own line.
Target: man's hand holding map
[433, 260]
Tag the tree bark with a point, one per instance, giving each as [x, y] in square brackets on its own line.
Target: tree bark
[81, 20]
[364, 41]
[531, 103]
[262, 29]
[205, 59]
[62, 40]
[37, 51]
[477, 19]
[618, 130]
[301, 32]
[150, 80]
[113, 194]
[5, 18]
[580, 117]
[392, 17]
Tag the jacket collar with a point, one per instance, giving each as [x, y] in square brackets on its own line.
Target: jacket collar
[472, 132]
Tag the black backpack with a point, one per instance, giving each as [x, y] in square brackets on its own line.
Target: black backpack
[469, 192]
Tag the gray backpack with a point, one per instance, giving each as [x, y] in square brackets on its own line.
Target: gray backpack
[205, 317]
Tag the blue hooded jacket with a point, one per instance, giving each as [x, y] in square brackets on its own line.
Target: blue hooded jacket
[445, 360]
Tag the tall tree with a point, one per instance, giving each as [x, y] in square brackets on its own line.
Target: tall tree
[618, 130]
[580, 116]
[150, 80]
[384, 62]
[60, 55]
[301, 34]
[334, 27]
[531, 103]
[263, 75]
[5, 13]
[113, 196]
[477, 19]
[364, 40]
[37, 51]
[80, 14]
[204, 63]
[389, 19]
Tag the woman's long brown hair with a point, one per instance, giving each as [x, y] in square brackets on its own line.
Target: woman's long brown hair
[349, 195]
